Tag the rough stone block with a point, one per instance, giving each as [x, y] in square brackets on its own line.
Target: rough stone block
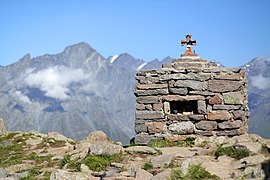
[203, 93]
[180, 65]
[223, 85]
[140, 106]
[151, 92]
[225, 107]
[149, 115]
[201, 107]
[182, 98]
[197, 117]
[180, 91]
[206, 125]
[148, 106]
[204, 133]
[182, 127]
[172, 76]
[151, 86]
[235, 77]
[143, 139]
[156, 127]
[167, 66]
[167, 108]
[219, 115]
[234, 132]
[157, 107]
[238, 114]
[140, 126]
[217, 99]
[179, 117]
[195, 85]
[233, 98]
[209, 108]
[230, 124]
[148, 99]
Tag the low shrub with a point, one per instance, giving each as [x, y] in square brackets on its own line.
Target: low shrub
[232, 151]
[147, 166]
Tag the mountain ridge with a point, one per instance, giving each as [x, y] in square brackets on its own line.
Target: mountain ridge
[87, 92]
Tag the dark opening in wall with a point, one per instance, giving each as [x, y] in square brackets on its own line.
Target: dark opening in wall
[183, 107]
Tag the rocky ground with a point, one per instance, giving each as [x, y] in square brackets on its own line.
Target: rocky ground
[33, 155]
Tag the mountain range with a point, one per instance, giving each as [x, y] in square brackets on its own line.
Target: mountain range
[78, 91]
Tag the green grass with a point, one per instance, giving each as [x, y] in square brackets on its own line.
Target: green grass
[97, 163]
[64, 161]
[231, 151]
[195, 172]
[94, 162]
[147, 166]
[189, 142]
[265, 150]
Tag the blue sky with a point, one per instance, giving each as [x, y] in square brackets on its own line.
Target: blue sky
[232, 31]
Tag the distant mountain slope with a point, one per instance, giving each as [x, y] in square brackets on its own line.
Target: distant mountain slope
[73, 92]
[258, 71]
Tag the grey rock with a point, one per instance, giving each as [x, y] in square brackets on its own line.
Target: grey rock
[195, 85]
[225, 107]
[140, 149]
[206, 125]
[163, 175]
[149, 115]
[142, 139]
[105, 149]
[142, 174]
[65, 175]
[238, 114]
[3, 173]
[230, 124]
[201, 107]
[162, 160]
[152, 92]
[233, 98]
[223, 85]
[182, 127]
[234, 132]
[148, 99]
[180, 91]
[140, 126]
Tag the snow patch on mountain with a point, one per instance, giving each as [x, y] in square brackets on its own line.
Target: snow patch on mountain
[141, 66]
[114, 58]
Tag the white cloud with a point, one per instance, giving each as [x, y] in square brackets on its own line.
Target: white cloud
[22, 97]
[260, 82]
[55, 81]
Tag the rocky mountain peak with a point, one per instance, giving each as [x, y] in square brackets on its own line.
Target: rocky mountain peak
[77, 48]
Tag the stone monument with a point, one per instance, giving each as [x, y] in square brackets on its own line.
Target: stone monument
[188, 97]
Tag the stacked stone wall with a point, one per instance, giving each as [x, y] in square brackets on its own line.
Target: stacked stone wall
[190, 97]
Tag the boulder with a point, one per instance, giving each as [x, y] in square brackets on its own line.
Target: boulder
[59, 137]
[97, 137]
[182, 152]
[66, 175]
[141, 150]
[163, 175]
[142, 174]
[105, 149]
[162, 160]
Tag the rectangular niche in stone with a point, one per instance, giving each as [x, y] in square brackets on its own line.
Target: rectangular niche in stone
[183, 107]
